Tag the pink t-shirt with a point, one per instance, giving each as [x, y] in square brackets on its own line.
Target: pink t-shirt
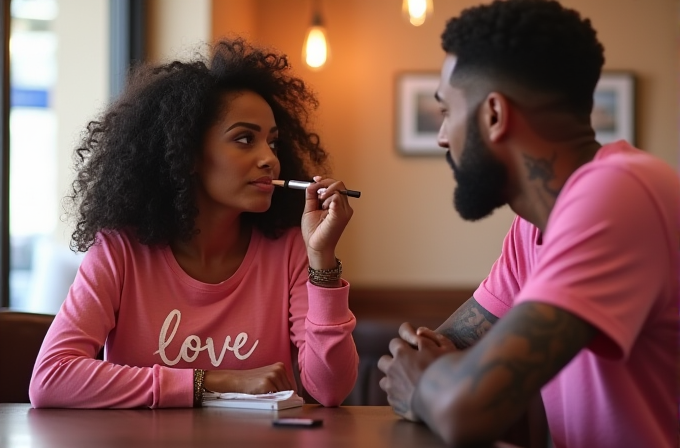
[610, 256]
[158, 324]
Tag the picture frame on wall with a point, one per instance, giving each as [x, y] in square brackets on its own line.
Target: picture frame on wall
[418, 115]
[613, 116]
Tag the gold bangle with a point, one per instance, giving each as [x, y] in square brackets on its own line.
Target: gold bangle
[326, 277]
[199, 378]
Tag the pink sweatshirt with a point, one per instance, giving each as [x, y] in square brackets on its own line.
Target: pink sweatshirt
[610, 256]
[157, 324]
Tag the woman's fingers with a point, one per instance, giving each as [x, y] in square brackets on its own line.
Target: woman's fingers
[271, 378]
[278, 378]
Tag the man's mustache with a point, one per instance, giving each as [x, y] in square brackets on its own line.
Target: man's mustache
[451, 163]
[449, 159]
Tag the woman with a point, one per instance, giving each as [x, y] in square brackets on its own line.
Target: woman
[199, 275]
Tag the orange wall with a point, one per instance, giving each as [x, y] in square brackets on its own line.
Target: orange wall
[405, 231]
[233, 17]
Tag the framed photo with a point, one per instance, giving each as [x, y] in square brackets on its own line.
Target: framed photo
[418, 116]
[613, 116]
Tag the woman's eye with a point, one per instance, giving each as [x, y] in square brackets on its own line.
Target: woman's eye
[245, 139]
[274, 145]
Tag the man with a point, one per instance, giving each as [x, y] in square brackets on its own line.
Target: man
[582, 304]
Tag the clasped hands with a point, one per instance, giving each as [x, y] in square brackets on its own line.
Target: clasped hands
[411, 353]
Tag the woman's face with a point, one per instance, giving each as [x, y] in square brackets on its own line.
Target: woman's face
[239, 159]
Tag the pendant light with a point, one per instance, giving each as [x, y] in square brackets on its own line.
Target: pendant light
[315, 51]
[416, 11]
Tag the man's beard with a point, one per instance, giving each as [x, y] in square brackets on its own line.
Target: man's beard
[481, 178]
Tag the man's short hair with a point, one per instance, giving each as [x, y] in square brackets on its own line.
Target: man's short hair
[537, 44]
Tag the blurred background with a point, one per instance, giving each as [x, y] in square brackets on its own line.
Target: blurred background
[68, 59]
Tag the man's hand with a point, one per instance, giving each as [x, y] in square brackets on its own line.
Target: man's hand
[414, 337]
[411, 355]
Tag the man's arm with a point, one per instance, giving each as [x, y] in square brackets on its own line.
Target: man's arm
[467, 324]
[476, 395]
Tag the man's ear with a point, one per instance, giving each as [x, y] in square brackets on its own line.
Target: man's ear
[495, 115]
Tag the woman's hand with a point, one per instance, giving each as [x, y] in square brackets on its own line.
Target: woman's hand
[325, 217]
[272, 378]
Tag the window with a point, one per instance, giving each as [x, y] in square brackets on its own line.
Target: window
[67, 59]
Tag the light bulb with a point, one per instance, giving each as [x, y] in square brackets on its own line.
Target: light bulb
[315, 49]
[417, 10]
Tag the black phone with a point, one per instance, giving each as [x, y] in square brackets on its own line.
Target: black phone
[298, 422]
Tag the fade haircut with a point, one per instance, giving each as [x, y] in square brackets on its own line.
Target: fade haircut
[535, 44]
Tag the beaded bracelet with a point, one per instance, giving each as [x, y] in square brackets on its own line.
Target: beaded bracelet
[199, 377]
[326, 277]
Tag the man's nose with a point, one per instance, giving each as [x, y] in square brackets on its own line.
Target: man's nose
[442, 139]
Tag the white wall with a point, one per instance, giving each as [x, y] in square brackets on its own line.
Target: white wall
[82, 88]
[177, 28]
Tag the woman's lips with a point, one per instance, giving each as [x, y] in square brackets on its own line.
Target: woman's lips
[263, 184]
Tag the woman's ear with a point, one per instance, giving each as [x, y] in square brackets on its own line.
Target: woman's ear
[197, 163]
[495, 114]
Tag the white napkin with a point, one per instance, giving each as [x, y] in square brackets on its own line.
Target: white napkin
[272, 396]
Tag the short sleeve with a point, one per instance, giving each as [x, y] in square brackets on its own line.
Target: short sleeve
[498, 290]
[605, 256]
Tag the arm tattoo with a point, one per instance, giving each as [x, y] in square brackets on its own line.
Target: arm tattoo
[467, 324]
[530, 345]
[489, 385]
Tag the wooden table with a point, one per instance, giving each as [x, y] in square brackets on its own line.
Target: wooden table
[352, 426]
[349, 426]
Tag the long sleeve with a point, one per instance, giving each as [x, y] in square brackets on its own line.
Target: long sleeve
[67, 373]
[158, 324]
[321, 326]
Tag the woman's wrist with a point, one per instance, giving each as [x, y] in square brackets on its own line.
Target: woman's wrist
[325, 260]
[326, 278]
[210, 380]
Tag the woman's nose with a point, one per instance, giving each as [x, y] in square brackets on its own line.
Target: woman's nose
[267, 157]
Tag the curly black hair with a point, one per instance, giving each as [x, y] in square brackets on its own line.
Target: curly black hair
[134, 165]
[537, 44]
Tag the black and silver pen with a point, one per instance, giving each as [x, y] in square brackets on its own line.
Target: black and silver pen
[302, 185]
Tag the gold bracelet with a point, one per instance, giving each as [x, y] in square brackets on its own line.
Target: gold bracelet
[199, 377]
[326, 277]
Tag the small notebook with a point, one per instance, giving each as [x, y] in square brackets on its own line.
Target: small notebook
[270, 402]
